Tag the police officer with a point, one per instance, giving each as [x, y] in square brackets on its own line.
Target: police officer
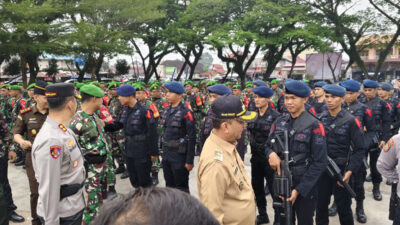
[90, 135]
[387, 165]
[382, 114]
[178, 139]
[343, 132]
[223, 184]
[259, 130]
[319, 104]
[364, 115]
[307, 150]
[58, 162]
[29, 122]
[215, 91]
[141, 139]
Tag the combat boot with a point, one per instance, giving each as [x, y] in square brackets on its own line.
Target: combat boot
[21, 162]
[376, 192]
[332, 211]
[120, 169]
[262, 219]
[368, 178]
[361, 217]
[125, 175]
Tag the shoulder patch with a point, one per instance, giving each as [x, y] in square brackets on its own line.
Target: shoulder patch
[312, 110]
[189, 115]
[148, 114]
[368, 112]
[358, 123]
[62, 127]
[55, 151]
[388, 106]
[320, 130]
[22, 111]
[218, 155]
[388, 145]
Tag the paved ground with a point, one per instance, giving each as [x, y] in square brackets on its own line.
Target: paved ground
[377, 212]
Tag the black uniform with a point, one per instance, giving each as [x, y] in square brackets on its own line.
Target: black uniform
[364, 115]
[343, 132]
[307, 149]
[260, 169]
[178, 145]
[381, 111]
[141, 142]
[320, 107]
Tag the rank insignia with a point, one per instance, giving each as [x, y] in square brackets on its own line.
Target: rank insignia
[55, 151]
[34, 131]
[218, 155]
[62, 127]
[70, 143]
[388, 145]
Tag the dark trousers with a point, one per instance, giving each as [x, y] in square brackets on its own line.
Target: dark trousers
[396, 220]
[33, 186]
[3, 209]
[139, 171]
[5, 184]
[71, 220]
[261, 170]
[357, 182]
[342, 199]
[176, 175]
[303, 211]
[373, 158]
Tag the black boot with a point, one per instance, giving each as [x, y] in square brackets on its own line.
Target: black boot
[112, 193]
[361, 217]
[368, 178]
[376, 192]
[332, 211]
[16, 218]
[262, 219]
[120, 169]
[389, 182]
[154, 178]
[125, 175]
[20, 162]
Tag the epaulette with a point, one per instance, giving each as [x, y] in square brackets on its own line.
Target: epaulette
[22, 111]
[62, 127]
[218, 155]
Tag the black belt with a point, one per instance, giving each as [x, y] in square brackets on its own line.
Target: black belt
[95, 159]
[171, 144]
[140, 137]
[67, 190]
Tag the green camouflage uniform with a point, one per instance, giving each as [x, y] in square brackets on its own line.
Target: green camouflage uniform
[117, 137]
[91, 137]
[198, 108]
[5, 107]
[17, 105]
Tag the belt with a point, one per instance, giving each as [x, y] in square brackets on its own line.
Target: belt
[95, 159]
[67, 190]
[171, 143]
[140, 137]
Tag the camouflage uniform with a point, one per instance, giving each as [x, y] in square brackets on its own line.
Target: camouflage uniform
[198, 108]
[6, 109]
[91, 137]
[17, 105]
[117, 137]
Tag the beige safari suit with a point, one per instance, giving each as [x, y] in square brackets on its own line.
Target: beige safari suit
[54, 168]
[223, 184]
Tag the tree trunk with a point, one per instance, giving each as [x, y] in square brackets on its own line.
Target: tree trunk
[23, 68]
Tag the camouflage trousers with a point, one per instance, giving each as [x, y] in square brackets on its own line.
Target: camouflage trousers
[118, 146]
[96, 188]
[110, 173]
[199, 124]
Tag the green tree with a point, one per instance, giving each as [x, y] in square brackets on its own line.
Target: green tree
[122, 67]
[13, 67]
[52, 70]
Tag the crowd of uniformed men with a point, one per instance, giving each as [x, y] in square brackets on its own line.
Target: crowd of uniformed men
[72, 138]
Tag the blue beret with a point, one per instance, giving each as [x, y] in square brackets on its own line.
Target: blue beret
[126, 90]
[259, 83]
[386, 86]
[219, 89]
[370, 84]
[320, 84]
[335, 90]
[263, 91]
[175, 86]
[351, 85]
[297, 88]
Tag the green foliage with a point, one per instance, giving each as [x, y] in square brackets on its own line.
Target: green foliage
[122, 67]
[13, 67]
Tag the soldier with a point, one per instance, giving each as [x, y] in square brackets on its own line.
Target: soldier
[90, 135]
[307, 149]
[277, 91]
[29, 122]
[258, 134]
[382, 114]
[319, 104]
[223, 184]
[179, 139]
[385, 93]
[117, 137]
[17, 104]
[215, 92]
[6, 139]
[5, 107]
[140, 136]
[58, 162]
[30, 91]
[343, 132]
